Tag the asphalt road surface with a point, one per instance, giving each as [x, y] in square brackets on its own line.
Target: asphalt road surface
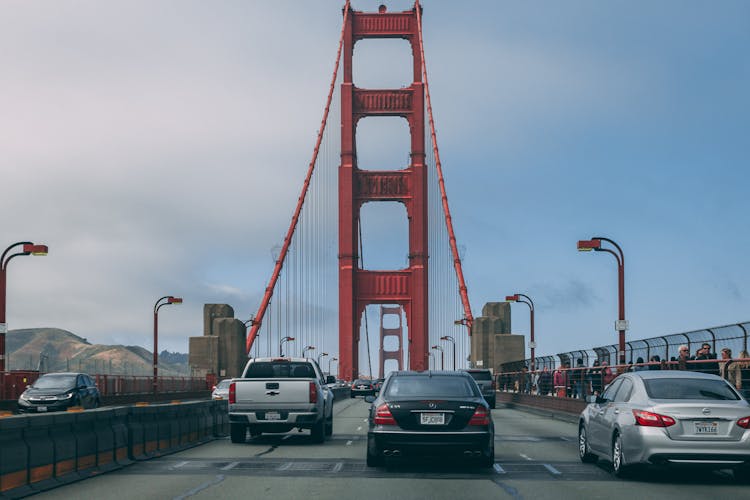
[535, 458]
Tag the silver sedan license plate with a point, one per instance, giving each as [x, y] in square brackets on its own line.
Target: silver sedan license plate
[706, 428]
[432, 418]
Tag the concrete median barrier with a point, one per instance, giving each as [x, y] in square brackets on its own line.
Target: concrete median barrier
[41, 450]
[14, 456]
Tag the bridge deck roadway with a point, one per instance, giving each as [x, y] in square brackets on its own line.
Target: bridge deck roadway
[535, 459]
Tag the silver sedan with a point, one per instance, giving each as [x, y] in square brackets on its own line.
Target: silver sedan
[667, 418]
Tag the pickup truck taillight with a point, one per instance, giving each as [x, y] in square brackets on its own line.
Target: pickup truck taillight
[232, 393]
[313, 393]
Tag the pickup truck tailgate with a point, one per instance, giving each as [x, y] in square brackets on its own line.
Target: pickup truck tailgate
[273, 393]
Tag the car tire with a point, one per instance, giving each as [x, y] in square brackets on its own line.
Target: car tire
[619, 469]
[96, 403]
[329, 425]
[584, 452]
[237, 433]
[318, 431]
[374, 459]
[254, 431]
[488, 458]
[492, 402]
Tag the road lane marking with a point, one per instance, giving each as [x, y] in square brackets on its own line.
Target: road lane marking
[349, 443]
[200, 487]
[177, 466]
[338, 467]
[359, 428]
[498, 469]
[552, 469]
[230, 466]
[285, 466]
[526, 457]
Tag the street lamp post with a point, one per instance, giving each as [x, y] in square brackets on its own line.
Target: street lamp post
[621, 325]
[164, 301]
[281, 344]
[453, 342]
[442, 356]
[329, 366]
[321, 355]
[307, 348]
[518, 297]
[28, 248]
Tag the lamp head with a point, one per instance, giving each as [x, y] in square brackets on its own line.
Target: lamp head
[589, 245]
[36, 249]
[174, 300]
[511, 298]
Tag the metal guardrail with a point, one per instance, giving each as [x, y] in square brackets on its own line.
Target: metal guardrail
[12, 384]
[734, 336]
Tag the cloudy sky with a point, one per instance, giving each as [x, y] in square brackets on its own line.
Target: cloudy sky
[158, 147]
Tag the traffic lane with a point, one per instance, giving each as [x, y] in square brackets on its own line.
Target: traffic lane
[530, 437]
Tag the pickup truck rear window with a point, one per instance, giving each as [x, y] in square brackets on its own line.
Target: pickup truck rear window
[263, 369]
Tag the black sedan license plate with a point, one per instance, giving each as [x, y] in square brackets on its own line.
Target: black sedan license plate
[432, 418]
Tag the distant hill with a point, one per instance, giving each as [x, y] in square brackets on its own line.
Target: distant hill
[53, 349]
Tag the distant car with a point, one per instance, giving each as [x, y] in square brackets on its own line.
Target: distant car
[486, 384]
[430, 413]
[379, 383]
[667, 418]
[58, 392]
[221, 390]
[362, 387]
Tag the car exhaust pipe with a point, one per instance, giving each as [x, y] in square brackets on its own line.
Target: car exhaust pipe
[477, 453]
[396, 453]
[387, 453]
[467, 453]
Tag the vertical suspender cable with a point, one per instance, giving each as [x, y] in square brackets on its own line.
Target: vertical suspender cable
[300, 202]
[469, 319]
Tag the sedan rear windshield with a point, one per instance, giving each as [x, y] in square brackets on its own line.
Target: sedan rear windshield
[280, 369]
[435, 386]
[55, 382]
[684, 388]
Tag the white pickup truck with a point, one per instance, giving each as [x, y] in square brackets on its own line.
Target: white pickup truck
[279, 394]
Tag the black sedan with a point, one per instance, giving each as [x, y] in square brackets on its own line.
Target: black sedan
[59, 391]
[363, 387]
[432, 413]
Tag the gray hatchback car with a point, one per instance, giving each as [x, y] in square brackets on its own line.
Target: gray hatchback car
[667, 418]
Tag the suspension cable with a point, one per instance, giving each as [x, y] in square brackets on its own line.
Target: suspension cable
[300, 202]
[468, 318]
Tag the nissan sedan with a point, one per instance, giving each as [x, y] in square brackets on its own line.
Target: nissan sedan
[667, 418]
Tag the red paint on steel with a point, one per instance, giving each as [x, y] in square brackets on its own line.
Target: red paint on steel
[258, 318]
[358, 288]
[468, 317]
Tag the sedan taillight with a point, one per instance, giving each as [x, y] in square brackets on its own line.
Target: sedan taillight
[313, 393]
[744, 422]
[481, 416]
[232, 393]
[383, 416]
[649, 419]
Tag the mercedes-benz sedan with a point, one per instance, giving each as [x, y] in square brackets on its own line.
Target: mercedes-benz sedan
[428, 414]
[667, 418]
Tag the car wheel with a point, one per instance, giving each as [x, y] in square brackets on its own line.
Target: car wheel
[374, 459]
[329, 426]
[96, 403]
[584, 453]
[488, 458]
[254, 431]
[492, 402]
[318, 432]
[618, 466]
[237, 432]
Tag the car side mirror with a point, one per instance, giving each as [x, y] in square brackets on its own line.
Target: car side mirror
[592, 398]
[330, 379]
[369, 399]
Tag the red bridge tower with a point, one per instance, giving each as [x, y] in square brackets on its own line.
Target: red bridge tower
[405, 287]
